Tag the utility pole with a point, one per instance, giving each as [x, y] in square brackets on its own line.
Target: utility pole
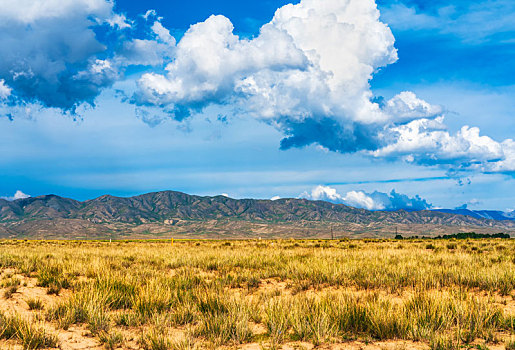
[332, 234]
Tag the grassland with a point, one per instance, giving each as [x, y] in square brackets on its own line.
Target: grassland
[338, 294]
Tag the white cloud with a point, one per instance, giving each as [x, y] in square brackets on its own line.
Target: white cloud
[370, 201]
[209, 57]
[149, 13]
[406, 107]
[313, 60]
[157, 49]
[307, 74]
[145, 52]
[29, 11]
[50, 52]
[119, 20]
[323, 193]
[18, 195]
[360, 199]
[425, 141]
[163, 33]
[5, 91]
[507, 163]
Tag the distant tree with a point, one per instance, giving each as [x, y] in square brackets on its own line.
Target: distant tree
[399, 237]
[474, 235]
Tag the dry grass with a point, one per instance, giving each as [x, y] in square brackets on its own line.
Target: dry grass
[209, 294]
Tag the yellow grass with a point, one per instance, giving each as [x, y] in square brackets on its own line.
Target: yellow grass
[437, 294]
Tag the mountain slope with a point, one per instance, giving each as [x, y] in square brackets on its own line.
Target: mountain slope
[169, 212]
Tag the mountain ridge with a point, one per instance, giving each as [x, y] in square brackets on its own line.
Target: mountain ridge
[176, 213]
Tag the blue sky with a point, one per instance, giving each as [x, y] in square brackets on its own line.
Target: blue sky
[326, 100]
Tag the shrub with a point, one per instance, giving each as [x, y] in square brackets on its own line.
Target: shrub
[35, 304]
[111, 341]
[52, 277]
[223, 321]
[8, 293]
[155, 340]
[30, 335]
[277, 319]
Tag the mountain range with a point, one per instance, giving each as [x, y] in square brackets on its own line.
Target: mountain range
[175, 214]
[482, 214]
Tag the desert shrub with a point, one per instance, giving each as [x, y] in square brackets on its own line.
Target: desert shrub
[153, 297]
[35, 304]
[127, 319]
[119, 292]
[221, 320]
[112, 340]
[183, 313]
[52, 277]
[276, 319]
[29, 334]
[85, 306]
[8, 293]
[310, 320]
[155, 340]
[10, 282]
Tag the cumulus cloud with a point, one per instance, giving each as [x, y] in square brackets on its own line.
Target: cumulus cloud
[18, 195]
[424, 141]
[310, 65]
[370, 201]
[307, 74]
[323, 193]
[154, 49]
[50, 52]
[360, 199]
[63, 53]
[208, 58]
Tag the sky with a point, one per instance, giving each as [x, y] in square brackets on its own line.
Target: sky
[394, 104]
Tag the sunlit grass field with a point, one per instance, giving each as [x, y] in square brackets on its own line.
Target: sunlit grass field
[338, 294]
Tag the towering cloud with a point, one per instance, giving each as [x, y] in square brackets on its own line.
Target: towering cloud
[307, 74]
